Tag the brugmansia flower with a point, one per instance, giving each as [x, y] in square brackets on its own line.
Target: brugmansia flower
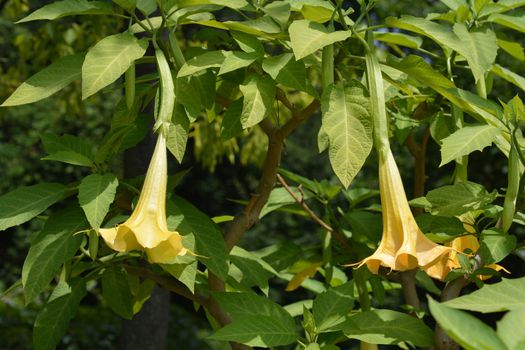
[403, 246]
[146, 229]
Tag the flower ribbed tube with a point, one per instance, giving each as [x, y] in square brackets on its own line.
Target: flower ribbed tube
[146, 229]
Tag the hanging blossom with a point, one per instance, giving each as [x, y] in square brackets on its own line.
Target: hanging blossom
[146, 229]
[403, 246]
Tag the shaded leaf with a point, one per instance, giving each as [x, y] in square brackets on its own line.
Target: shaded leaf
[47, 81]
[96, 192]
[117, 291]
[54, 245]
[26, 202]
[64, 8]
[53, 320]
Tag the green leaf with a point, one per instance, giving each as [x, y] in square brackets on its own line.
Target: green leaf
[279, 11]
[196, 93]
[495, 245]
[64, 8]
[68, 149]
[285, 70]
[109, 59]
[307, 37]
[54, 245]
[253, 273]
[440, 229]
[413, 42]
[184, 272]
[457, 199]
[209, 243]
[280, 197]
[116, 290]
[248, 43]
[260, 331]
[234, 4]
[467, 140]
[147, 6]
[53, 320]
[512, 48]
[387, 327]
[26, 202]
[96, 192]
[509, 76]
[509, 294]
[231, 120]
[128, 5]
[348, 126]
[465, 329]
[257, 321]
[331, 307]
[259, 96]
[178, 133]
[513, 22]
[479, 48]
[48, 81]
[435, 31]
[509, 330]
[202, 62]
[236, 60]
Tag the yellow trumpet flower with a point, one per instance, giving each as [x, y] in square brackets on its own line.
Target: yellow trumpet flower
[146, 229]
[403, 246]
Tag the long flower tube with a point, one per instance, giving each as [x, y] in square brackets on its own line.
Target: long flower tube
[146, 229]
[403, 246]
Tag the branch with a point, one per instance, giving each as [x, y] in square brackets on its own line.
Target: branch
[250, 214]
[337, 235]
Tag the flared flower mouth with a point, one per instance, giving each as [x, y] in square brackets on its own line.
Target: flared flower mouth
[403, 246]
[146, 229]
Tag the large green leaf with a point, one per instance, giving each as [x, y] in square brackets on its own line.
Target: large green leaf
[513, 22]
[509, 294]
[178, 133]
[509, 76]
[479, 48]
[96, 192]
[440, 229]
[457, 199]
[26, 202]
[64, 8]
[512, 48]
[236, 60]
[348, 126]
[53, 320]
[257, 330]
[413, 42]
[202, 62]
[259, 96]
[307, 37]
[196, 93]
[48, 81]
[465, 329]
[285, 70]
[109, 59]
[68, 149]
[53, 246]
[509, 329]
[440, 33]
[387, 327]
[257, 321]
[331, 307]
[209, 243]
[495, 245]
[117, 291]
[253, 271]
[231, 120]
[467, 140]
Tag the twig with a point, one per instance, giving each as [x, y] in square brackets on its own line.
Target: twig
[337, 235]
